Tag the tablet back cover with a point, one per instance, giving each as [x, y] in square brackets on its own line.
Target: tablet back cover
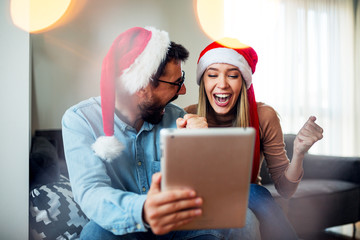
[216, 163]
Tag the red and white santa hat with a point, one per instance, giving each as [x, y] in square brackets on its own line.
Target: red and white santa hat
[241, 56]
[133, 58]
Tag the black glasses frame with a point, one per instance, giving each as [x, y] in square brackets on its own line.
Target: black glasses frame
[179, 84]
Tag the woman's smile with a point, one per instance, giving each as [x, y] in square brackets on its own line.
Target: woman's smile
[222, 99]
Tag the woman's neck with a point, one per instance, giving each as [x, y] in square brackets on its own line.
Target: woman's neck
[221, 120]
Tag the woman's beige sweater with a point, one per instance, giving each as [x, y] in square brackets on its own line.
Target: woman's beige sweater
[272, 146]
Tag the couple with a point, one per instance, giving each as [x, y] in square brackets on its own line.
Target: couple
[112, 142]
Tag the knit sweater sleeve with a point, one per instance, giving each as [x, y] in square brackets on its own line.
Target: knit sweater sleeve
[273, 149]
[191, 109]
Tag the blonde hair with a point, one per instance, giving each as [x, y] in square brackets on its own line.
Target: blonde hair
[242, 118]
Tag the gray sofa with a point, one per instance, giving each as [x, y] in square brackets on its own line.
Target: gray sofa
[329, 194]
[53, 213]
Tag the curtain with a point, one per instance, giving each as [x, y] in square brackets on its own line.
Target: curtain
[307, 65]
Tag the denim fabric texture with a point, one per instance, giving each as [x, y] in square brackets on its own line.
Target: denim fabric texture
[92, 231]
[270, 221]
[122, 183]
[273, 222]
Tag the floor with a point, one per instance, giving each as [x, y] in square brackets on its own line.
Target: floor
[344, 232]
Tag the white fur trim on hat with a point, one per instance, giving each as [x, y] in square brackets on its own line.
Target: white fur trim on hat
[146, 64]
[224, 55]
[107, 148]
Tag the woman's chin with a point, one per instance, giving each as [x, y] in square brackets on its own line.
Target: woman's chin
[221, 110]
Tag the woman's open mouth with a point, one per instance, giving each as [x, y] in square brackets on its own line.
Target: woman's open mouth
[222, 99]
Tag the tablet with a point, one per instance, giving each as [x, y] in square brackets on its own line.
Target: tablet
[216, 163]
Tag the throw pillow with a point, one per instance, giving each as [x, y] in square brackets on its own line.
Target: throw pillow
[53, 212]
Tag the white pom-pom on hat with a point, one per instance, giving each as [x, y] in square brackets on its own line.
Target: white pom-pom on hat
[107, 147]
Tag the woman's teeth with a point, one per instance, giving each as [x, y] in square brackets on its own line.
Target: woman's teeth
[222, 98]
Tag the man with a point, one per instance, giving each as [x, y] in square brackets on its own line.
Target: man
[114, 177]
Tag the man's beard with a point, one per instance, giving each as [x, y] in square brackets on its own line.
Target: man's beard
[152, 111]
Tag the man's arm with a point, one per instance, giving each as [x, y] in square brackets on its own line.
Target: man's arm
[115, 210]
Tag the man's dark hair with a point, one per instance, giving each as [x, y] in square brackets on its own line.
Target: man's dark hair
[175, 52]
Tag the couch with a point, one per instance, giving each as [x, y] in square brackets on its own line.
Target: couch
[328, 195]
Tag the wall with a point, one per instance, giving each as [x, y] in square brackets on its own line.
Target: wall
[14, 128]
[67, 60]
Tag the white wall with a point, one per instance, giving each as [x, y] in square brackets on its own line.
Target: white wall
[67, 60]
[14, 128]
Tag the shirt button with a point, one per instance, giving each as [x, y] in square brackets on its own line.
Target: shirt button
[144, 189]
[139, 163]
[138, 226]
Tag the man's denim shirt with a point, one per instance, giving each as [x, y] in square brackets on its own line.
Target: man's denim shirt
[112, 193]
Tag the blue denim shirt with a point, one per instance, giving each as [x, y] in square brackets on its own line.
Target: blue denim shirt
[112, 193]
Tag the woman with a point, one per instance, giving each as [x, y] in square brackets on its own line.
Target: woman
[226, 99]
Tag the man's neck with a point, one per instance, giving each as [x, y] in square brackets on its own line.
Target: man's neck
[129, 113]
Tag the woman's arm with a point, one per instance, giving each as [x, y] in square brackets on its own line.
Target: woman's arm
[285, 175]
[309, 134]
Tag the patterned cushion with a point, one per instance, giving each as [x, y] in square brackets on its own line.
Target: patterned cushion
[53, 212]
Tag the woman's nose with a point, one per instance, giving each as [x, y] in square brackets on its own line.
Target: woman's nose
[222, 82]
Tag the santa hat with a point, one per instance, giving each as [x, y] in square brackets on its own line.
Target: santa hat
[241, 56]
[231, 51]
[133, 58]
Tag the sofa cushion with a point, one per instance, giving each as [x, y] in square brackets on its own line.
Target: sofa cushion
[53, 212]
[329, 203]
[43, 162]
[55, 137]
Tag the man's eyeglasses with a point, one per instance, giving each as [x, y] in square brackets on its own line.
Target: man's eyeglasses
[178, 82]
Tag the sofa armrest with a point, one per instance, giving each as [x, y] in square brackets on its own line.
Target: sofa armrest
[289, 144]
[326, 167]
[332, 167]
[55, 137]
[43, 162]
[321, 166]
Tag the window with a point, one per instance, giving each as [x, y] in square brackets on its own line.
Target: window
[306, 64]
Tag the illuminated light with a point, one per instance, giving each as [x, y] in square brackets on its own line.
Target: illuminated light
[35, 16]
[231, 42]
[245, 20]
[210, 15]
